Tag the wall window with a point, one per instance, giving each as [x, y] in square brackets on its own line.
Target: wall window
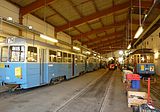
[32, 54]
[52, 56]
[4, 54]
[17, 53]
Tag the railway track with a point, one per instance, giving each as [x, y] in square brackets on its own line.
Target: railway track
[8, 93]
[91, 99]
[155, 90]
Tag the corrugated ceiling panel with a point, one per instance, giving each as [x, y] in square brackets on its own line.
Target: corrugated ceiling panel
[93, 43]
[70, 29]
[101, 34]
[103, 4]
[116, 2]
[90, 44]
[107, 19]
[66, 9]
[86, 8]
[56, 20]
[92, 36]
[96, 25]
[84, 28]
[134, 27]
[44, 12]
[22, 2]
[73, 33]
[121, 11]
[83, 40]
[78, 2]
[112, 30]
[121, 29]
[121, 17]
[136, 16]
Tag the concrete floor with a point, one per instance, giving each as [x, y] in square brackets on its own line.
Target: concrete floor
[50, 98]
[117, 99]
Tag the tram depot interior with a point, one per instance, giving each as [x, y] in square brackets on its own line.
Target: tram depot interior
[54, 51]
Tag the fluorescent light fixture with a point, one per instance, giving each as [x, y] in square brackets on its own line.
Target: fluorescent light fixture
[9, 18]
[145, 15]
[142, 59]
[120, 59]
[48, 38]
[139, 32]
[120, 52]
[110, 58]
[88, 52]
[76, 48]
[156, 55]
[2, 43]
[30, 27]
[129, 46]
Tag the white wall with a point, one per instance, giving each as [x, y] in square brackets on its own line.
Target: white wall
[38, 25]
[64, 37]
[9, 10]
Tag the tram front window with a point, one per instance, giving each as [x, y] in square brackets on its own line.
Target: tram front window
[146, 58]
[17, 53]
[4, 54]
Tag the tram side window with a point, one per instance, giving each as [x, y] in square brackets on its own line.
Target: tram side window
[32, 54]
[64, 57]
[17, 53]
[69, 58]
[138, 59]
[81, 59]
[59, 56]
[52, 56]
[78, 59]
[4, 54]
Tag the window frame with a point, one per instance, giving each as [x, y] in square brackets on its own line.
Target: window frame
[7, 53]
[49, 60]
[33, 53]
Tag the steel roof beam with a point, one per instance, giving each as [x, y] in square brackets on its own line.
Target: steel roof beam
[34, 6]
[98, 14]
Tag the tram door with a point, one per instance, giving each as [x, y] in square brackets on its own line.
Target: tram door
[42, 59]
[73, 64]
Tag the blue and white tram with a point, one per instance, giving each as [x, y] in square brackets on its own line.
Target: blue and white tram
[141, 62]
[27, 63]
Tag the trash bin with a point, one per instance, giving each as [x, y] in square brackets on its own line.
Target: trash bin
[135, 84]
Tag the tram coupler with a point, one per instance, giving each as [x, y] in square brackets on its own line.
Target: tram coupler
[12, 87]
